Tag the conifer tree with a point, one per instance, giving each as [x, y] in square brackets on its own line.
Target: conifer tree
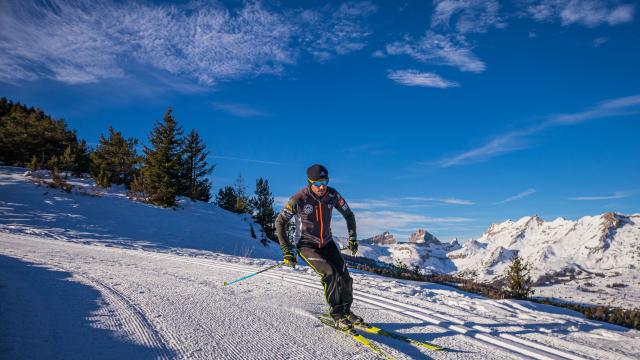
[114, 161]
[243, 205]
[195, 168]
[227, 198]
[519, 283]
[162, 162]
[34, 164]
[262, 203]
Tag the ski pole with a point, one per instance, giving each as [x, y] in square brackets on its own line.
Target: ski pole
[253, 274]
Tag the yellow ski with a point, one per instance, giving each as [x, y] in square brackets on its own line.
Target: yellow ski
[376, 330]
[326, 319]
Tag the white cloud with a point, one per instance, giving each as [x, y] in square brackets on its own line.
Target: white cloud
[331, 32]
[471, 16]
[450, 50]
[239, 110]
[423, 79]
[85, 41]
[500, 145]
[448, 201]
[516, 197]
[589, 13]
[615, 195]
[517, 140]
[599, 41]
[375, 222]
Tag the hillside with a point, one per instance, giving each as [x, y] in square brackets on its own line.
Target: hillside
[92, 214]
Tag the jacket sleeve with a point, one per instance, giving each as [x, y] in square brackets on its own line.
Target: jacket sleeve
[344, 209]
[290, 209]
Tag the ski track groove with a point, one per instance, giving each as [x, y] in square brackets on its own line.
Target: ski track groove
[486, 336]
[135, 323]
[231, 347]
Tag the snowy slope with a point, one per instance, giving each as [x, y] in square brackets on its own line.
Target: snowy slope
[80, 277]
[598, 251]
[90, 214]
[149, 304]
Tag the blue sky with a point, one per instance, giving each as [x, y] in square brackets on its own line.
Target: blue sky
[447, 115]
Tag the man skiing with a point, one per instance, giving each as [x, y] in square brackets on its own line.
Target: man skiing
[313, 206]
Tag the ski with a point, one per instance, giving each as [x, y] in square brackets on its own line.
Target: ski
[325, 319]
[376, 330]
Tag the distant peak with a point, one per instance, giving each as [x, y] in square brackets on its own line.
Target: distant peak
[423, 237]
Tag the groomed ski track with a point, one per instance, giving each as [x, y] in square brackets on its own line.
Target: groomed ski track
[177, 306]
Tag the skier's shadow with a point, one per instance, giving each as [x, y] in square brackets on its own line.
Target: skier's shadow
[51, 317]
[410, 350]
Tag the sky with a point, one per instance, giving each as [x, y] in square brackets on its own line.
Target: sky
[447, 115]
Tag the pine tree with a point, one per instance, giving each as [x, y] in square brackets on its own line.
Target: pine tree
[226, 198]
[519, 283]
[34, 164]
[162, 162]
[114, 161]
[195, 168]
[25, 131]
[243, 205]
[68, 160]
[264, 214]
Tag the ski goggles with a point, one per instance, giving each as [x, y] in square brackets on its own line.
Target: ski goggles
[319, 182]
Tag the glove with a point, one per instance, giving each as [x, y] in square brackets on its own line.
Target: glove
[290, 258]
[353, 245]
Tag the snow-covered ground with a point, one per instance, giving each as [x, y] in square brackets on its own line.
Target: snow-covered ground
[89, 214]
[111, 292]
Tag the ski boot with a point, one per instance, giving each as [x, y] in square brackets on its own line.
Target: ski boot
[354, 319]
[343, 323]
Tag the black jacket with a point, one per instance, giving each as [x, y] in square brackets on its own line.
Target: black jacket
[315, 217]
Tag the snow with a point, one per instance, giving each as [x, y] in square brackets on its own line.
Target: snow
[89, 214]
[93, 285]
[593, 260]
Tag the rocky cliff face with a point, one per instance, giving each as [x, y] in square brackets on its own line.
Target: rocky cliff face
[381, 239]
[423, 237]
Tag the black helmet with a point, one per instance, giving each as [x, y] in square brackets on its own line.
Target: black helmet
[317, 172]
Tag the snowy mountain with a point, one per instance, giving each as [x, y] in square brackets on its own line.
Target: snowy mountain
[422, 249]
[599, 251]
[595, 258]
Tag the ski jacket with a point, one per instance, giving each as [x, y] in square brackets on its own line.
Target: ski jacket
[315, 217]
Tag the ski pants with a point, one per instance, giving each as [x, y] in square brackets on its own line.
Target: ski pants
[329, 264]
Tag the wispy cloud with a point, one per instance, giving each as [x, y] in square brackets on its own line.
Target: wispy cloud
[599, 41]
[589, 13]
[422, 79]
[451, 50]
[517, 140]
[448, 201]
[85, 42]
[467, 16]
[247, 160]
[516, 197]
[239, 110]
[375, 222]
[332, 32]
[615, 195]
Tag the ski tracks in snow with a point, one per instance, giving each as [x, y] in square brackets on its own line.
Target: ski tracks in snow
[149, 319]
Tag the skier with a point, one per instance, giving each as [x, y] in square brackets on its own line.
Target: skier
[313, 206]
